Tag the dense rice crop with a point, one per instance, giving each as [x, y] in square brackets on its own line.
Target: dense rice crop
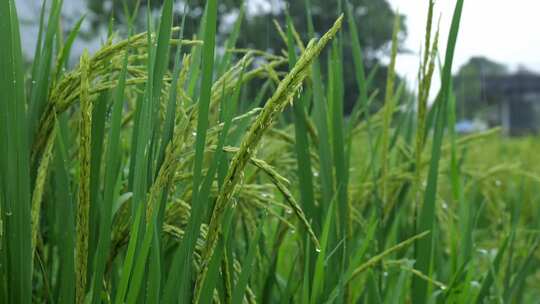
[127, 179]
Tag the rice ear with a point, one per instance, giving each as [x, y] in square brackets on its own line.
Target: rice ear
[83, 207]
[283, 95]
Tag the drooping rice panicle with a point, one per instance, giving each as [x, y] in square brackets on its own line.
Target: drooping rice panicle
[83, 202]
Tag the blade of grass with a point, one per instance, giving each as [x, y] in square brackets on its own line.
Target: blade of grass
[306, 273]
[231, 41]
[465, 208]
[181, 286]
[337, 137]
[14, 161]
[65, 205]
[426, 220]
[99, 113]
[40, 85]
[160, 61]
[320, 112]
[112, 161]
[66, 49]
[140, 158]
[168, 128]
[319, 271]
[285, 92]
[305, 175]
[491, 275]
[39, 43]
[363, 103]
[521, 275]
[213, 269]
[218, 166]
[389, 105]
[355, 259]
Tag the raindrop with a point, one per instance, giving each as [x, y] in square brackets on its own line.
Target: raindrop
[194, 133]
[292, 231]
[317, 249]
[9, 213]
[498, 183]
[289, 211]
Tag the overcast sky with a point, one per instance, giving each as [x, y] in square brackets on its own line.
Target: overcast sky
[502, 30]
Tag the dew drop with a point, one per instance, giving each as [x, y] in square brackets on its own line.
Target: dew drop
[289, 211]
[317, 249]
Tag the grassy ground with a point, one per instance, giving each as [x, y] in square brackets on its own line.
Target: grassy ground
[127, 180]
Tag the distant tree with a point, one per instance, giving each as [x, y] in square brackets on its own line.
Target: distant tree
[374, 19]
[469, 88]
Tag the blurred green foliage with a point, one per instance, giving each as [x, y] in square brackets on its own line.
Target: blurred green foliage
[374, 21]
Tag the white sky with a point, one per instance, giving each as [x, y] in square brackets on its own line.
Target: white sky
[502, 30]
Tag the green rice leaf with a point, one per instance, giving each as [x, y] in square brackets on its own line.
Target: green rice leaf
[14, 163]
[426, 219]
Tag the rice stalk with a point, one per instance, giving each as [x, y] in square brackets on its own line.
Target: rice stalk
[37, 195]
[389, 102]
[283, 95]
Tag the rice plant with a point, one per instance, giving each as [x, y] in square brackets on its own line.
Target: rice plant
[145, 174]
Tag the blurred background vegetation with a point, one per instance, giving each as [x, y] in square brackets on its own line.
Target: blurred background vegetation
[374, 21]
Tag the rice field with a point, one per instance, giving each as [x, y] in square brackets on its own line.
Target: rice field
[145, 174]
